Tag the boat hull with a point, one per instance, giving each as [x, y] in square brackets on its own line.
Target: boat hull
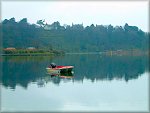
[52, 71]
[60, 69]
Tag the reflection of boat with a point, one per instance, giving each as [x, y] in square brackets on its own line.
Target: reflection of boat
[40, 83]
[62, 75]
[53, 69]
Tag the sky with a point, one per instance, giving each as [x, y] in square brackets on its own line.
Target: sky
[116, 13]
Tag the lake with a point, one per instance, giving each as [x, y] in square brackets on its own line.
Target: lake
[98, 83]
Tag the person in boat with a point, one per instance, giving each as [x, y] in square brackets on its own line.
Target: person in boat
[53, 65]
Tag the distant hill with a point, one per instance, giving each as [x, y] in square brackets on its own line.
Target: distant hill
[75, 38]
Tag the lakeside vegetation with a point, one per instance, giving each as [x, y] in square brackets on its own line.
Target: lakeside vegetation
[30, 52]
[54, 38]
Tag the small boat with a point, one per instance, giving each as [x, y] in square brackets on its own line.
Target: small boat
[53, 69]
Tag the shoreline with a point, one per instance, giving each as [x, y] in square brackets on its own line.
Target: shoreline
[109, 53]
[37, 54]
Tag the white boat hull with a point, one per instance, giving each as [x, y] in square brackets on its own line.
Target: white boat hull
[53, 71]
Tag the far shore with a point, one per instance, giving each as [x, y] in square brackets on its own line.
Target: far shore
[29, 54]
[107, 53]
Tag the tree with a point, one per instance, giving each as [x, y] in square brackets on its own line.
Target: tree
[55, 25]
[12, 20]
[110, 29]
[5, 21]
[24, 20]
[41, 23]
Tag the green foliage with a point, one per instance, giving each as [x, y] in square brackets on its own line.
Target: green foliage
[75, 38]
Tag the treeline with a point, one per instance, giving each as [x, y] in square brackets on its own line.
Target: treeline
[72, 38]
[19, 34]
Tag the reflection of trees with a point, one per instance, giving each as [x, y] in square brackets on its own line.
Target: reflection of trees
[24, 70]
[102, 68]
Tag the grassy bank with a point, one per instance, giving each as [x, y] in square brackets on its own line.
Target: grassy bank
[34, 52]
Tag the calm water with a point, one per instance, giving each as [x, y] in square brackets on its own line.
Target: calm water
[98, 84]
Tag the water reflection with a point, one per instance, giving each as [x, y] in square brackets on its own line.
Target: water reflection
[24, 70]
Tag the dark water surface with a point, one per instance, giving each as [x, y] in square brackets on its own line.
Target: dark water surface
[99, 83]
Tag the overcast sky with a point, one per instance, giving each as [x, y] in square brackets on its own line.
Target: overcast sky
[77, 12]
